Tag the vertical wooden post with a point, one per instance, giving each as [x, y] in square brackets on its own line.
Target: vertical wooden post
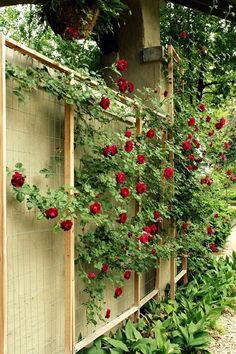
[69, 235]
[3, 278]
[185, 267]
[172, 229]
[137, 290]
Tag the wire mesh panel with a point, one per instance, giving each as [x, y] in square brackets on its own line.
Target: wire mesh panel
[35, 256]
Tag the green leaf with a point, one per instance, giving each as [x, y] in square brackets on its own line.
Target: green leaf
[131, 332]
[117, 344]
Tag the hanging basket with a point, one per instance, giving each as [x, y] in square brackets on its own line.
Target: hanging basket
[69, 21]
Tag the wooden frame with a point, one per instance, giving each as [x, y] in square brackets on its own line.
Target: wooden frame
[70, 345]
[3, 272]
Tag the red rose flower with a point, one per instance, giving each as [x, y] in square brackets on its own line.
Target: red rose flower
[223, 156]
[156, 215]
[122, 84]
[141, 159]
[124, 192]
[191, 122]
[168, 172]
[202, 107]
[129, 145]
[151, 133]
[127, 274]
[196, 129]
[105, 268]
[184, 35]
[153, 229]
[208, 180]
[108, 313]
[229, 172]
[226, 145]
[51, 213]
[118, 292]
[165, 94]
[120, 177]
[91, 275]
[147, 229]
[208, 119]
[191, 157]
[130, 86]
[95, 208]
[141, 187]
[189, 136]
[216, 215]
[128, 133]
[72, 32]
[186, 145]
[122, 218]
[154, 251]
[121, 65]
[219, 125]
[110, 150]
[143, 238]
[213, 247]
[17, 179]
[185, 225]
[104, 103]
[210, 230]
[66, 225]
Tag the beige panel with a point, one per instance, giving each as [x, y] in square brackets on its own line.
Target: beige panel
[35, 260]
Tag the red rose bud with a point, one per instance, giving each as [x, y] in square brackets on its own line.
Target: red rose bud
[208, 119]
[213, 247]
[105, 268]
[121, 65]
[195, 167]
[91, 275]
[127, 274]
[191, 122]
[124, 192]
[154, 251]
[151, 133]
[222, 121]
[147, 229]
[120, 177]
[95, 208]
[122, 218]
[156, 215]
[130, 87]
[189, 136]
[17, 179]
[129, 145]
[216, 215]
[168, 172]
[128, 134]
[226, 145]
[108, 313]
[191, 157]
[199, 160]
[141, 188]
[66, 225]
[196, 129]
[186, 145]
[185, 225]
[104, 103]
[210, 230]
[184, 35]
[153, 229]
[118, 292]
[141, 159]
[223, 157]
[165, 94]
[51, 213]
[229, 172]
[211, 133]
[143, 238]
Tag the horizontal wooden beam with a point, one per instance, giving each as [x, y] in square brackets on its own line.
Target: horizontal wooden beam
[148, 297]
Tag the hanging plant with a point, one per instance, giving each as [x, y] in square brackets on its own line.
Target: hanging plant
[77, 18]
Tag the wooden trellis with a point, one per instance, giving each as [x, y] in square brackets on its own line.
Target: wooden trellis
[70, 345]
